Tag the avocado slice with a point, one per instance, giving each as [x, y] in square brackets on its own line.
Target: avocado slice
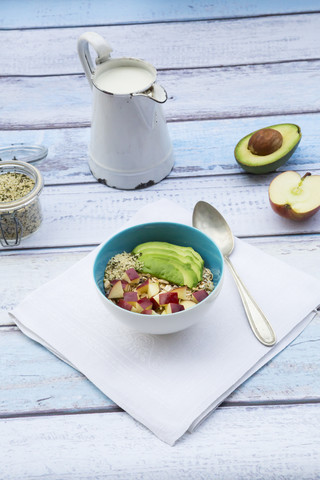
[170, 269]
[254, 163]
[178, 265]
[189, 253]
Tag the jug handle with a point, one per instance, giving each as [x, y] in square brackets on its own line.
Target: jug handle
[100, 46]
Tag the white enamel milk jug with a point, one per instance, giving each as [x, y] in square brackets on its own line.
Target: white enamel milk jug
[130, 145]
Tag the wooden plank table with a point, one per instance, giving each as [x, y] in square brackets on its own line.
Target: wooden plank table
[229, 68]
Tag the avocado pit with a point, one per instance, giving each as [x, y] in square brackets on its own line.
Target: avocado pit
[265, 141]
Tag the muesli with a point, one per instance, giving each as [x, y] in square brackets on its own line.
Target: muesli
[129, 287]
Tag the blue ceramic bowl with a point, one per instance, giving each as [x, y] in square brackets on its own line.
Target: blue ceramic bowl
[177, 234]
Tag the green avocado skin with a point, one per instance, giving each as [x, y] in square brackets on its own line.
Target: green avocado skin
[178, 265]
[268, 167]
[271, 167]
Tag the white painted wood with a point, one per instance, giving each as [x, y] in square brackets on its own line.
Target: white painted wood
[97, 12]
[48, 385]
[37, 268]
[238, 443]
[268, 442]
[200, 147]
[41, 266]
[78, 215]
[184, 45]
[207, 93]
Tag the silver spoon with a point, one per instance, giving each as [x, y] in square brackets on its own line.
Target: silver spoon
[207, 219]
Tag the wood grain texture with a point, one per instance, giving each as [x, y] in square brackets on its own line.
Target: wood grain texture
[186, 45]
[225, 78]
[201, 148]
[36, 382]
[40, 266]
[193, 94]
[47, 385]
[98, 12]
[114, 446]
[76, 215]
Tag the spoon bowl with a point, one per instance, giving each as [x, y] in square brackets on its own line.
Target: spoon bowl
[207, 219]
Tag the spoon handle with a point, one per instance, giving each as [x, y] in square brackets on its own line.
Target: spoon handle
[258, 322]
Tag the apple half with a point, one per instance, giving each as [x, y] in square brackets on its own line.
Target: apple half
[295, 197]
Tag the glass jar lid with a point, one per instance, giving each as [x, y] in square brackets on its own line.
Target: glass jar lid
[23, 152]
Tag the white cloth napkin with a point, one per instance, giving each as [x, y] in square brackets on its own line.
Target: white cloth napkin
[170, 383]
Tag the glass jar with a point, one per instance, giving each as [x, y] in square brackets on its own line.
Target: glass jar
[21, 217]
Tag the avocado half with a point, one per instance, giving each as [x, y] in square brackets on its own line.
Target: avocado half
[252, 163]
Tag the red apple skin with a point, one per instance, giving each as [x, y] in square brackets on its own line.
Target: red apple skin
[145, 303]
[181, 291]
[287, 212]
[199, 295]
[174, 308]
[147, 312]
[130, 297]
[143, 288]
[123, 304]
[155, 301]
[131, 276]
[168, 297]
[124, 283]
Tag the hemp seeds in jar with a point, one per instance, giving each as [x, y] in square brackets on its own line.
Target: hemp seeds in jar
[20, 209]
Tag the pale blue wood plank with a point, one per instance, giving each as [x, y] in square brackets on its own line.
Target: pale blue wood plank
[201, 147]
[39, 13]
[193, 94]
[256, 443]
[44, 264]
[52, 51]
[86, 214]
[46, 384]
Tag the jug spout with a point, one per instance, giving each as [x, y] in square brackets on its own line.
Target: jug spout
[146, 108]
[155, 92]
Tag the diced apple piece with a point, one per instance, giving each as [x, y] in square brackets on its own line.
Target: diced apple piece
[125, 285]
[149, 312]
[116, 291]
[131, 276]
[123, 304]
[181, 291]
[155, 300]
[145, 303]
[199, 295]
[130, 297]
[174, 308]
[168, 297]
[153, 289]
[143, 288]
[137, 307]
[188, 304]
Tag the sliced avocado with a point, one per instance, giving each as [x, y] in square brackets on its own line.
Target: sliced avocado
[170, 269]
[178, 265]
[189, 253]
[254, 163]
